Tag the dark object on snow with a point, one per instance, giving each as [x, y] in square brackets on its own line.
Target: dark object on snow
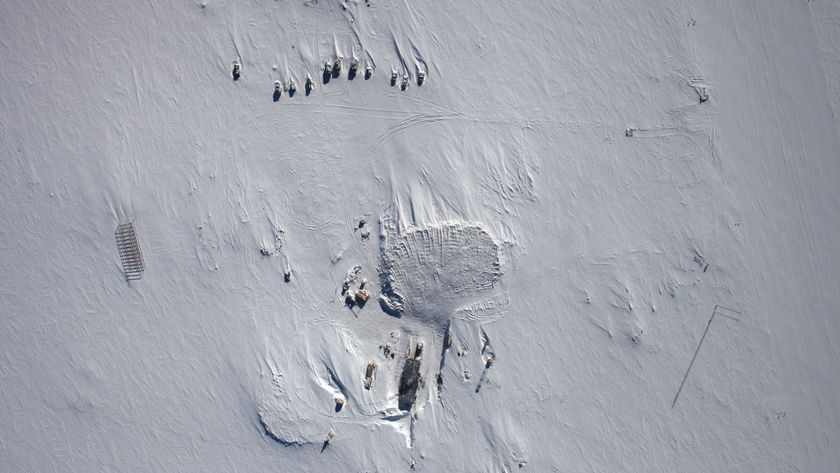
[328, 68]
[129, 248]
[327, 441]
[237, 71]
[421, 78]
[370, 375]
[393, 78]
[354, 69]
[350, 299]
[287, 276]
[310, 84]
[368, 71]
[336, 68]
[408, 384]
[278, 90]
[362, 297]
[410, 379]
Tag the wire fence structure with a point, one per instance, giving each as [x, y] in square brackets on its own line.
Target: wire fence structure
[722, 311]
[129, 248]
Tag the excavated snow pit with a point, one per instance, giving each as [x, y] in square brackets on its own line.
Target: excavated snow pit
[425, 273]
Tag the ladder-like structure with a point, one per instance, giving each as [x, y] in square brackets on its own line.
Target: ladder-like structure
[129, 248]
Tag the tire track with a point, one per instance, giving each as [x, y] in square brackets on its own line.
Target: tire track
[411, 122]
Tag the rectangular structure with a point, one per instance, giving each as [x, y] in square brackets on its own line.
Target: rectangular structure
[129, 248]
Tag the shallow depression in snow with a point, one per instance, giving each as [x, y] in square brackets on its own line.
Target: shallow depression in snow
[427, 271]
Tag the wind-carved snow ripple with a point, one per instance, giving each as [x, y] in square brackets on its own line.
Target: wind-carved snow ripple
[427, 273]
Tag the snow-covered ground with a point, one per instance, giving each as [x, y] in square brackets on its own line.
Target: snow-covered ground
[600, 236]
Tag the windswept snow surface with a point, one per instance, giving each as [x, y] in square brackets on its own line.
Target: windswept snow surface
[600, 236]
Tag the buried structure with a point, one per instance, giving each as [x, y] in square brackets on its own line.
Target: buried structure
[427, 275]
[410, 378]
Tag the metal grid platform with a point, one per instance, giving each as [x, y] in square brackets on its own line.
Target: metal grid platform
[129, 249]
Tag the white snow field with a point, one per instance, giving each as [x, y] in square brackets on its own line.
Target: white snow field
[601, 236]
